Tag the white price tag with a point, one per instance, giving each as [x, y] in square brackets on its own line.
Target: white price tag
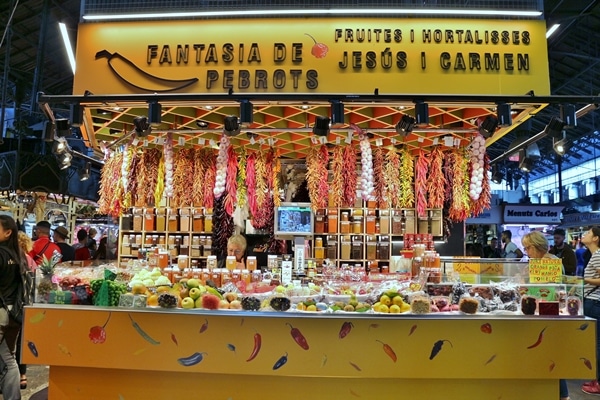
[261, 141]
[421, 139]
[435, 141]
[393, 141]
[212, 143]
[252, 141]
[337, 140]
[201, 141]
[323, 139]
[181, 141]
[135, 142]
[349, 138]
[145, 142]
[313, 140]
[378, 142]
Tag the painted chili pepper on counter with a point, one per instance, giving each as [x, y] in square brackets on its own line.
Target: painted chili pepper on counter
[539, 340]
[583, 326]
[281, 362]
[298, 337]
[32, 348]
[374, 326]
[345, 329]
[37, 318]
[97, 333]
[586, 362]
[551, 366]
[204, 326]
[356, 367]
[256, 349]
[412, 330]
[142, 333]
[191, 360]
[63, 349]
[437, 346]
[486, 328]
[490, 360]
[388, 350]
[323, 360]
[174, 339]
[231, 347]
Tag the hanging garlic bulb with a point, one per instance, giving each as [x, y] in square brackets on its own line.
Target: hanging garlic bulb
[366, 161]
[222, 160]
[477, 170]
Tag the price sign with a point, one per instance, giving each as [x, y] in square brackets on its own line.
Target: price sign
[492, 269]
[544, 270]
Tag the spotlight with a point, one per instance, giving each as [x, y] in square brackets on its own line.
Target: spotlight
[142, 128]
[231, 126]
[246, 113]
[84, 173]
[568, 114]
[337, 113]
[555, 127]
[405, 125]
[154, 114]
[321, 126]
[64, 160]
[63, 128]
[60, 146]
[202, 124]
[48, 131]
[525, 163]
[421, 113]
[488, 126]
[561, 146]
[504, 114]
[76, 115]
[497, 175]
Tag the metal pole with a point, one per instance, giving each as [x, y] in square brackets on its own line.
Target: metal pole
[559, 160]
[39, 62]
[8, 33]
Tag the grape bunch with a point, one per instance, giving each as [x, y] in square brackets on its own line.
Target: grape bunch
[110, 296]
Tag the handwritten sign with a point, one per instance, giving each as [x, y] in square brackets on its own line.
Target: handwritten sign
[468, 271]
[543, 270]
[492, 269]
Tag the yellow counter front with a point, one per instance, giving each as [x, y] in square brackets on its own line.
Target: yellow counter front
[125, 354]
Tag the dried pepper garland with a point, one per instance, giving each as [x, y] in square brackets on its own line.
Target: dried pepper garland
[436, 182]
[125, 200]
[336, 188]
[263, 216]
[241, 180]
[210, 178]
[421, 184]
[110, 174]
[460, 207]
[148, 174]
[379, 178]
[391, 173]
[275, 180]
[260, 170]
[407, 174]
[316, 176]
[160, 181]
[223, 227]
[231, 181]
[349, 175]
[134, 182]
[183, 178]
[251, 184]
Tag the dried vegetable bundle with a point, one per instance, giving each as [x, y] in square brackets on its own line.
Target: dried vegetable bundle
[183, 178]
[110, 174]
[134, 182]
[159, 190]
[316, 176]
[460, 205]
[148, 174]
[251, 183]
[366, 162]
[336, 187]
[223, 227]
[231, 181]
[477, 153]
[168, 159]
[210, 179]
[350, 177]
[222, 166]
[261, 179]
[485, 198]
[391, 173]
[379, 178]
[276, 171]
[407, 174]
[436, 182]
[264, 173]
[422, 168]
[125, 198]
[241, 180]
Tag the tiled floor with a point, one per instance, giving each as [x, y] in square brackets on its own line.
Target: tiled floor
[575, 391]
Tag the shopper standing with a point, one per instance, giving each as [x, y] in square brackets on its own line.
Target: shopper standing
[82, 252]
[26, 244]
[92, 245]
[510, 250]
[11, 264]
[61, 234]
[563, 251]
[492, 250]
[591, 297]
[43, 247]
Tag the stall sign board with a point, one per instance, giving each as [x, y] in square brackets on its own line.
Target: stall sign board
[545, 270]
[532, 214]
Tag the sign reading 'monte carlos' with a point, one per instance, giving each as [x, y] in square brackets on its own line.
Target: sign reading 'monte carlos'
[354, 56]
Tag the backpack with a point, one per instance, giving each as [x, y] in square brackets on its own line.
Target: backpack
[24, 293]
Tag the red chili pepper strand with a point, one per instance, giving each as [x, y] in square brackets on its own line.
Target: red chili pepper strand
[389, 351]
[256, 348]
[421, 183]
[298, 337]
[539, 340]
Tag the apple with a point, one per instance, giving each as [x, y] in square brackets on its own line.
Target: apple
[235, 305]
[193, 283]
[196, 292]
[184, 292]
[223, 304]
[187, 302]
[198, 302]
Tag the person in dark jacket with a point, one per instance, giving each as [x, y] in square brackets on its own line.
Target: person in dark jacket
[61, 234]
[563, 251]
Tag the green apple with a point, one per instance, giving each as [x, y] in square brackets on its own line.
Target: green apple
[280, 289]
[195, 293]
[188, 302]
[198, 302]
[193, 283]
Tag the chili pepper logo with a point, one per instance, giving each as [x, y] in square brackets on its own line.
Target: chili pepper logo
[388, 350]
[204, 326]
[281, 362]
[539, 339]
[486, 328]
[230, 347]
[356, 367]
[97, 333]
[298, 337]
[583, 326]
[323, 360]
[32, 348]
[174, 339]
[586, 362]
[374, 326]
[142, 333]
[412, 330]
[37, 318]
[345, 329]
[437, 347]
[490, 359]
[63, 349]
[319, 50]
[551, 366]
[256, 349]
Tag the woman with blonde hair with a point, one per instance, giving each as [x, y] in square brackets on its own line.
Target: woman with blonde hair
[26, 244]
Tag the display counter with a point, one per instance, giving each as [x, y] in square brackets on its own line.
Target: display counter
[117, 353]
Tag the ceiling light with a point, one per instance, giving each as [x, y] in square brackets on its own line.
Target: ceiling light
[504, 114]
[60, 146]
[337, 113]
[405, 125]
[202, 124]
[568, 114]
[154, 114]
[84, 173]
[68, 47]
[526, 163]
[64, 160]
[246, 113]
[497, 175]
[76, 115]
[321, 126]
[551, 30]
[421, 113]
[231, 126]
[141, 126]
[560, 146]
[555, 127]
[488, 126]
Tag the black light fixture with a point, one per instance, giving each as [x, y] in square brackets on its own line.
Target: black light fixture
[246, 113]
[555, 127]
[525, 163]
[141, 126]
[497, 175]
[154, 114]
[488, 126]
[60, 146]
[561, 145]
[63, 127]
[76, 115]
[321, 126]
[337, 113]
[504, 113]
[64, 160]
[568, 114]
[48, 131]
[405, 125]
[84, 172]
[421, 113]
[231, 125]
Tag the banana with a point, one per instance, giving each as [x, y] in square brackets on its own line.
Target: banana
[127, 71]
[214, 291]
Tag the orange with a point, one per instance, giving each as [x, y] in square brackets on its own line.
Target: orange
[152, 300]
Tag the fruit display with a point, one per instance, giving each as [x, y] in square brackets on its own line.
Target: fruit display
[311, 305]
[351, 306]
[149, 278]
[106, 292]
[250, 303]
[391, 302]
[167, 300]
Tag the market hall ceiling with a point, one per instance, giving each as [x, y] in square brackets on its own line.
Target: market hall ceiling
[37, 62]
